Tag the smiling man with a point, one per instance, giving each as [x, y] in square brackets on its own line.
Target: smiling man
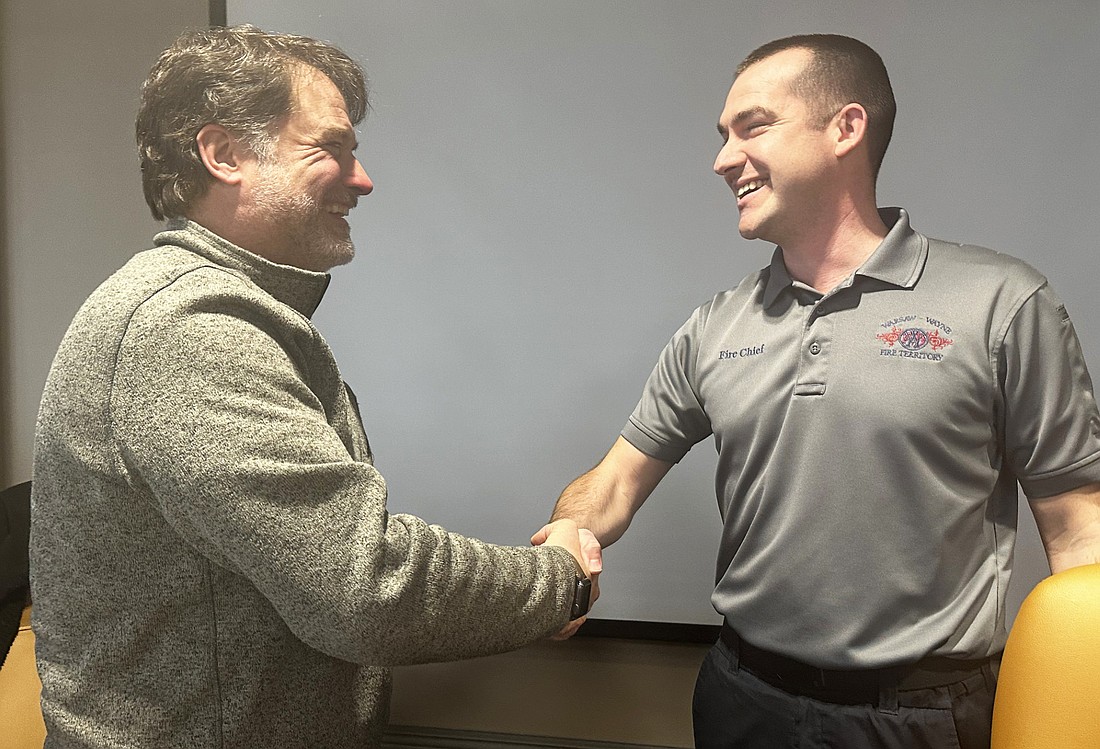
[876, 397]
[213, 563]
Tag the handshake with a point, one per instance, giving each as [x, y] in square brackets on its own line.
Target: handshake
[585, 548]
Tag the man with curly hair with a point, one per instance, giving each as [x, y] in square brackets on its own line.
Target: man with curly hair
[213, 563]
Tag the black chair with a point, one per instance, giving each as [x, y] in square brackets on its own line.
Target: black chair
[15, 588]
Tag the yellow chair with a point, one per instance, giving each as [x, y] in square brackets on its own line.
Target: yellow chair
[20, 689]
[1048, 693]
[21, 725]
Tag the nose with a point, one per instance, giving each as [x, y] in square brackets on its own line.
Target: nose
[358, 180]
[730, 160]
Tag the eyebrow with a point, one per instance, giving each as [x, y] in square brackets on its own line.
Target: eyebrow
[340, 134]
[748, 114]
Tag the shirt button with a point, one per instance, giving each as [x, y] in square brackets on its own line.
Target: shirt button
[815, 348]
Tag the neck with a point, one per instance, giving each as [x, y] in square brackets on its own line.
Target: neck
[223, 214]
[828, 254]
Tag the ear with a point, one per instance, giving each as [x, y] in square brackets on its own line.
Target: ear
[851, 128]
[221, 153]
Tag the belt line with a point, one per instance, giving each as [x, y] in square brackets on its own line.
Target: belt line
[855, 685]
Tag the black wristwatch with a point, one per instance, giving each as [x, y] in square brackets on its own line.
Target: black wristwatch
[582, 594]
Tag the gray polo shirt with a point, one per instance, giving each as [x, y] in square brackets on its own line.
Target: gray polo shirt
[870, 441]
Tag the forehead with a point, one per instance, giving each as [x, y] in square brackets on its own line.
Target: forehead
[767, 82]
[318, 104]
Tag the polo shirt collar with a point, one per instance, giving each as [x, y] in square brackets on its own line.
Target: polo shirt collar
[898, 260]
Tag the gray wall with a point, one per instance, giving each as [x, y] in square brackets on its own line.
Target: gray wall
[997, 143]
[72, 202]
[545, 217]
[72, 212]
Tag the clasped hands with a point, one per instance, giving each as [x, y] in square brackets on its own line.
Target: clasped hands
[585, 548]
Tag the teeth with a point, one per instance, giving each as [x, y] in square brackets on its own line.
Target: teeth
[748, 187]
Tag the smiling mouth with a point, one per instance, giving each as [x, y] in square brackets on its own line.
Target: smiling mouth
[749, 187]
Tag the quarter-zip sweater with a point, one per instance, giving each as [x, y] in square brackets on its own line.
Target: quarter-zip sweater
[213, 564]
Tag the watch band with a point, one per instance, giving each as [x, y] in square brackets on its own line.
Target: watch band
[582, 594]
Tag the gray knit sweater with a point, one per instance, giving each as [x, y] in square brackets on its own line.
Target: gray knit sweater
[212, 560]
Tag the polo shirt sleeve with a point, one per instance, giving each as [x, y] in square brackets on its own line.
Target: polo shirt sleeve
[669, 419]
[1051, 423]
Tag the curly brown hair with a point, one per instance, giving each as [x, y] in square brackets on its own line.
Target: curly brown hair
[239, 77]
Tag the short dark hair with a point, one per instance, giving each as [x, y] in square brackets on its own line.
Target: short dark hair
[841, 71]
[239, 77]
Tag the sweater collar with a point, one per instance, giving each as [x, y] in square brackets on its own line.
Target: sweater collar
[295, 287]
[898, 260]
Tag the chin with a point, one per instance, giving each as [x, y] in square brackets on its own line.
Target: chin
[330, 252]
[748, 232]
[755, 230]
[342, 256]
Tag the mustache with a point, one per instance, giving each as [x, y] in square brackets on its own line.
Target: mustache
[342, 200]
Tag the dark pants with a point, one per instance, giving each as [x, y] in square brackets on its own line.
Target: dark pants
[736, 710]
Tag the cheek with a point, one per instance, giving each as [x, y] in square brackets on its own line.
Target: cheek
[331, 179]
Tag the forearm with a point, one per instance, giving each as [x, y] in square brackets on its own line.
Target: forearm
[605, 499]
[363, 585]
[1080, 555]
[1069, 525]
[1075, 549]
[591, 501]
[442, 596]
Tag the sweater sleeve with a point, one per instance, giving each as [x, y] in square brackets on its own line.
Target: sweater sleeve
[223, 407]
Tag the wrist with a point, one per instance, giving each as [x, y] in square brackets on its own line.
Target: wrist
[582, 593]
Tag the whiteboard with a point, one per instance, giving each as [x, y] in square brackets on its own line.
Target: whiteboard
[545, 217]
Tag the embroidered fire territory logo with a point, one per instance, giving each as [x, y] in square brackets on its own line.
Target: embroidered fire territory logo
[915, 337]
